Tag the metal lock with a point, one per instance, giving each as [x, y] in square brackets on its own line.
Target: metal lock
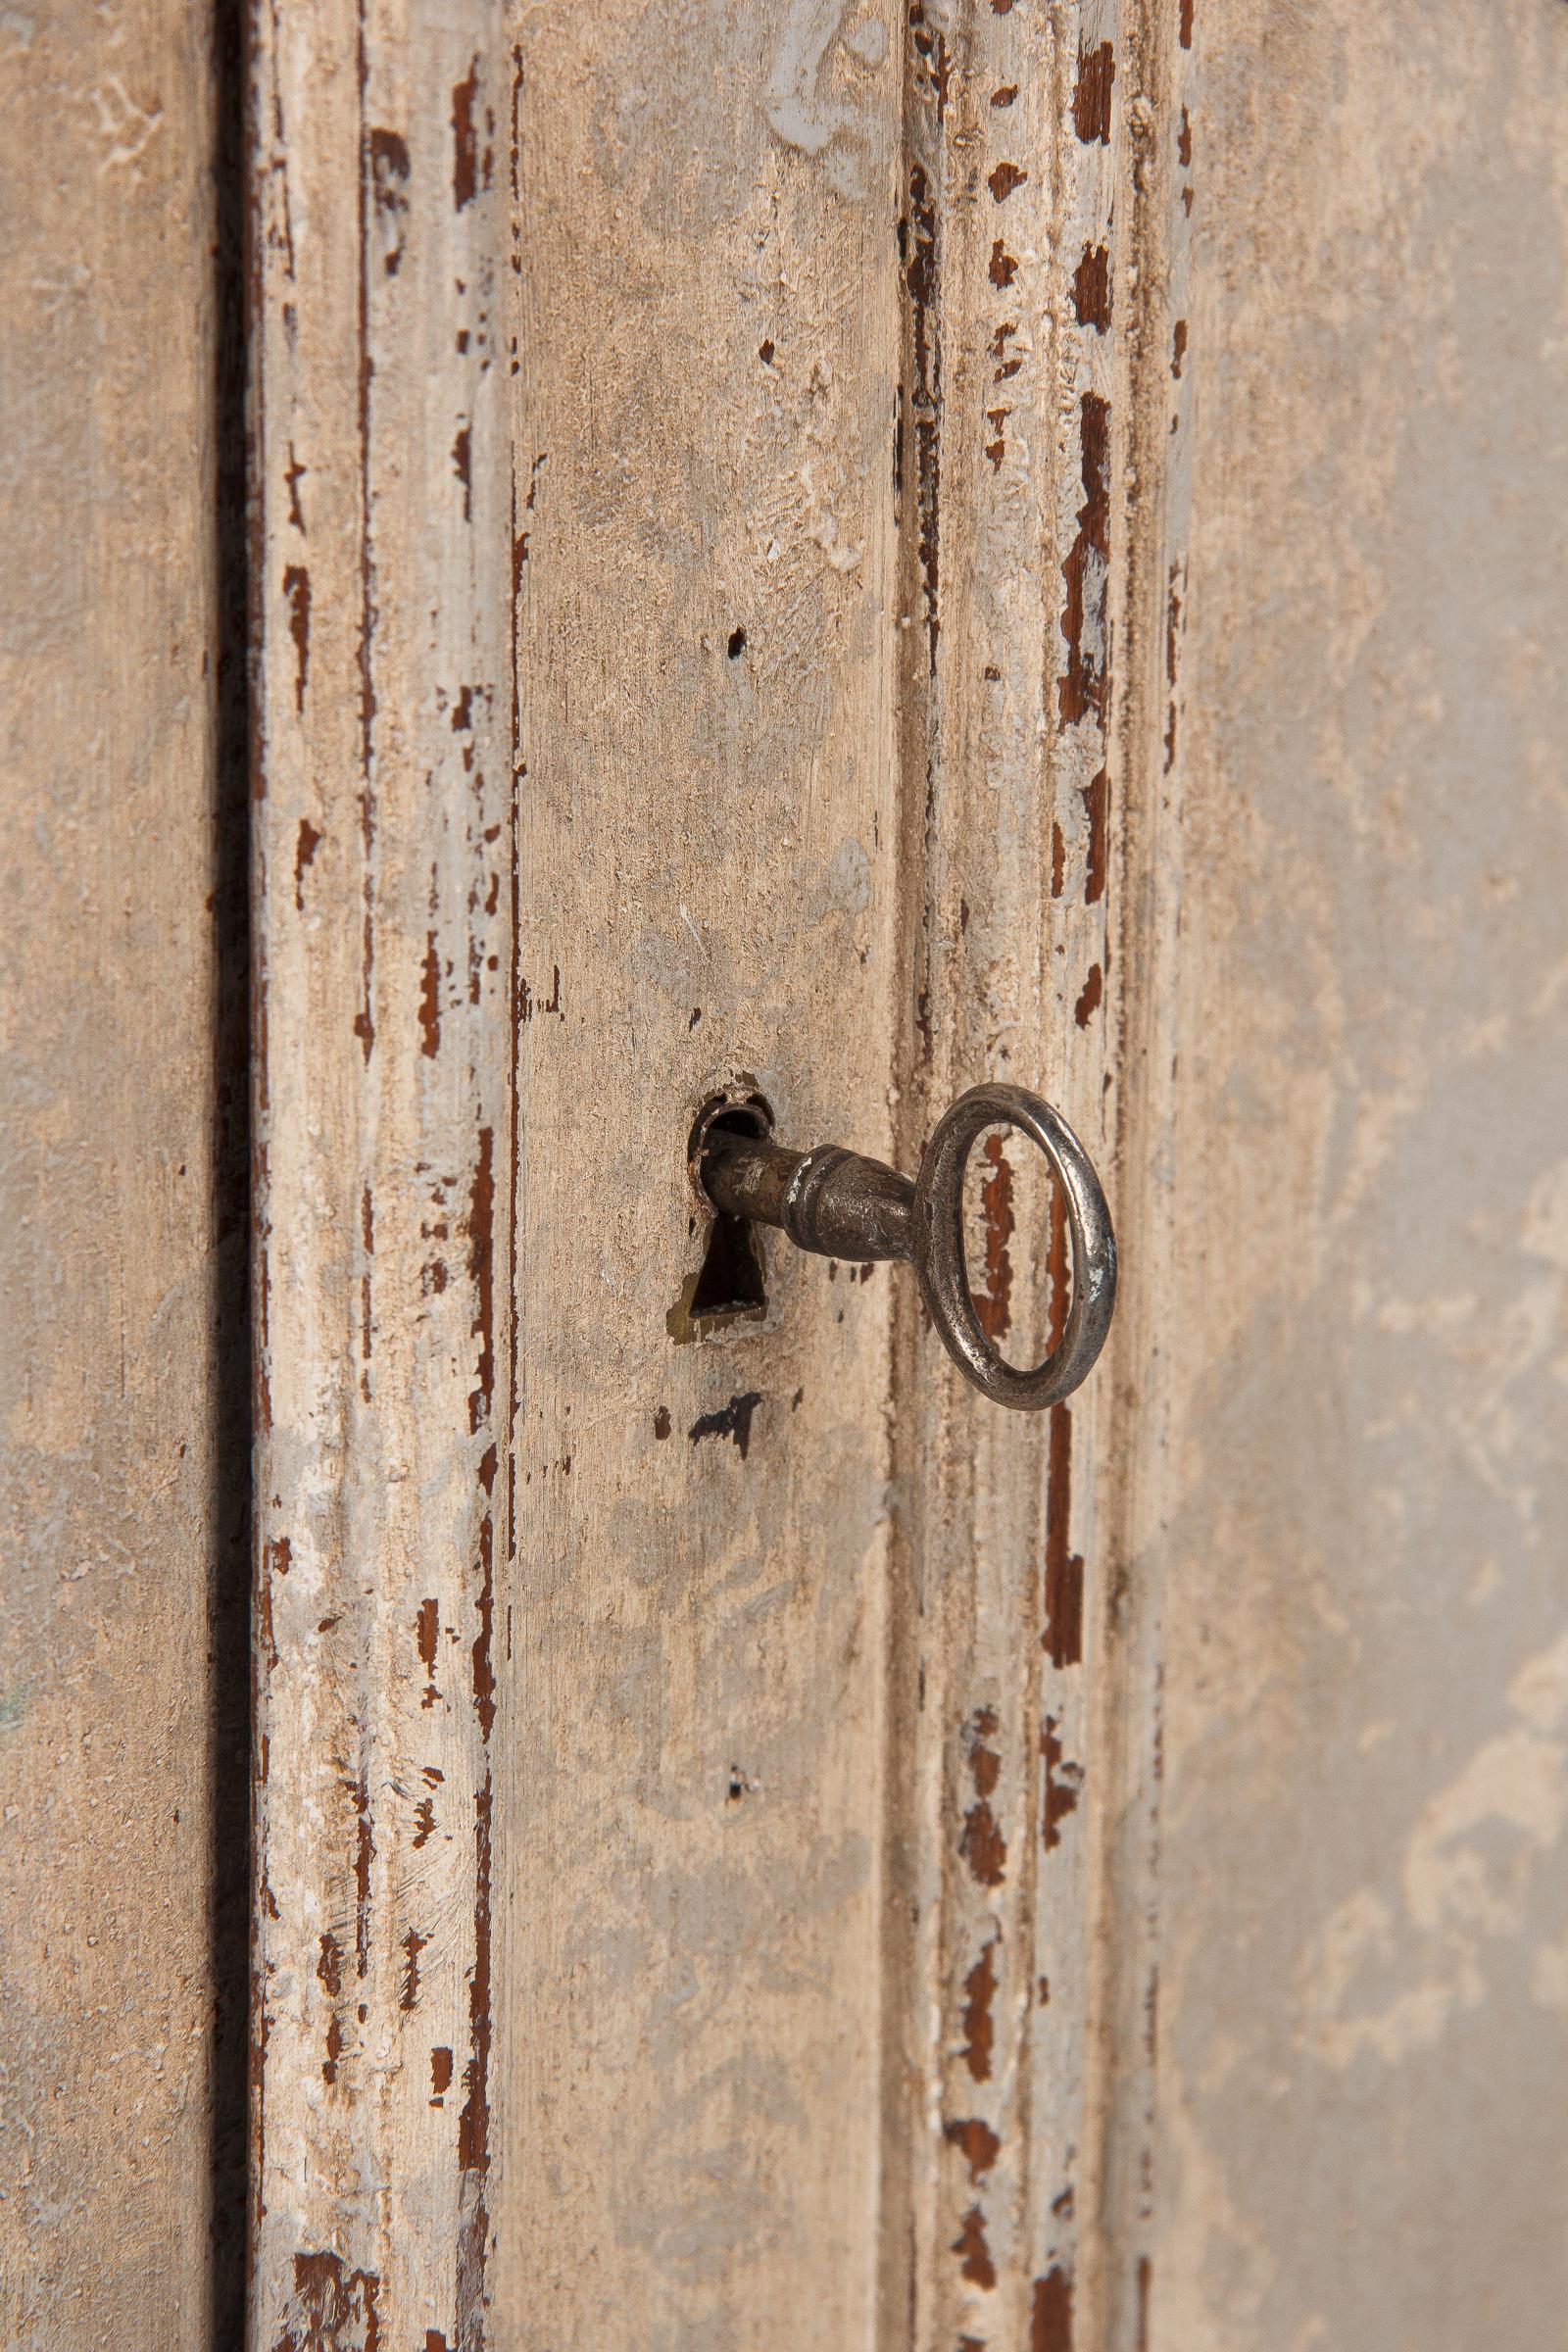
[838, 1204]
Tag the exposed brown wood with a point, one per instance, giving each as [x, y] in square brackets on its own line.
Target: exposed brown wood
[123, 1376]
[707, 624]
[385, 880]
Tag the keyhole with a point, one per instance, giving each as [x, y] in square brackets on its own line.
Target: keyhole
[731, 1283]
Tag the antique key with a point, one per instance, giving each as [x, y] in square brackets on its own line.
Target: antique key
[838, 1204]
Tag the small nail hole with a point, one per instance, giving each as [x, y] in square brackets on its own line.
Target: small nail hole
[737, 644]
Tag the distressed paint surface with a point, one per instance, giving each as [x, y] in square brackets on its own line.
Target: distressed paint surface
[1011, 146]
[693, 1720]
[1344, 1495]
[798, 1965]
[1031, 543]
[384, 878]
[123, 1381]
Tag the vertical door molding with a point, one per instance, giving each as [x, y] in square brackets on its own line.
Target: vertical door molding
[384, 894]
[122, 1373]
[1017, 310]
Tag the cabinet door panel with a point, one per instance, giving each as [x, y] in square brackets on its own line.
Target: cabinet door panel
[817, 558]
[710, 827]
[1344, 1488]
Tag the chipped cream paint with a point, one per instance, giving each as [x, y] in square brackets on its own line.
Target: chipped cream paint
[122, 1380]
[1013, 140]
[1343, 1501]
[385, 986]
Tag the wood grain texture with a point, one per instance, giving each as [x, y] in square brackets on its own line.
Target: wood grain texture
[692, 1724]
[1339, 1687]
[384, 895]
[1009, 268]
[122, 1380]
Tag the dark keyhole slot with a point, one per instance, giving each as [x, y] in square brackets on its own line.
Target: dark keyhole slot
[732, 1279]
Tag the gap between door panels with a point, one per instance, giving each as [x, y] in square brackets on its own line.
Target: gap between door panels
[229, 1621]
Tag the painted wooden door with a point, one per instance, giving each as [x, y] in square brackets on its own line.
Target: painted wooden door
[821, 551]
[671, 1726]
